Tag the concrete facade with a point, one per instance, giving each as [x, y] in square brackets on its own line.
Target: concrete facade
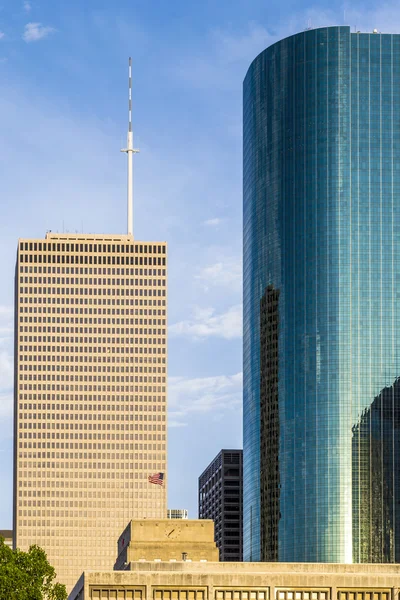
[90, 394]
[7, 534]
[241, 581]
[165, 540]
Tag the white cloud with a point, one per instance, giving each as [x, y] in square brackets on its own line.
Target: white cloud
[233, 48]
[2, 35]
[225, 58]
[174, 423]
[212, 222]
[223, 273]
[229, 52]
[385, 17]
[205, 323]
[36, 31]
[213, 395]
[27, 6]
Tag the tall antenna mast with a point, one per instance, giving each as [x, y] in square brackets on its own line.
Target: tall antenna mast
[130, 150]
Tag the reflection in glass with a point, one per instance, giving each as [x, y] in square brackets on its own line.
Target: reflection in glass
[321, 231]
[269, 423]
[376, 479]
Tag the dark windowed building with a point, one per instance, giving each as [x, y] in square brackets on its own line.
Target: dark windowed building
[321, 453]
[220, 499]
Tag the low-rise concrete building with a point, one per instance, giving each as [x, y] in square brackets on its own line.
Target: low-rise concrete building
[163, 560]
[165, 540]
[241, 581]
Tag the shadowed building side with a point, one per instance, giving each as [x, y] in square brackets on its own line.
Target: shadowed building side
[221, 499]
[269, 425]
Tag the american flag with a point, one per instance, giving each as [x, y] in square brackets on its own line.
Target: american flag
[157, 478]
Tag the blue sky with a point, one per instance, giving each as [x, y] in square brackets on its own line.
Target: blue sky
[63, 70]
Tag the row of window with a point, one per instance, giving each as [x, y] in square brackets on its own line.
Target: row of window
[87, 271]
[89, 310]
[100, 446]
[96, 416]
[70, 434]
[97, 369]
[91, 388]
[43, 423]
[96, 291]
[88, 247]
[91, 280]
[86, 456]
[84, 435]
[71, 514]
[49, 353]
[86, 282]
[75, 493]
[86, 330]
[111, 378]
[124, 594]
[116, 343]
[80, 320]
[91, 301]
[97, 311]
[100, 466]
[85, 398]
[90, 259]
[35, 478]
[123, 364]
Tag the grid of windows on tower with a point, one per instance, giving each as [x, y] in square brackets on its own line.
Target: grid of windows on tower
[91, 368]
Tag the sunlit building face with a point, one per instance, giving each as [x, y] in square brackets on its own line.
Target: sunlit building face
[90, 394]
[321, 299]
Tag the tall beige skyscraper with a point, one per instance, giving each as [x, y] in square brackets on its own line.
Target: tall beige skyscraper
[90, 394]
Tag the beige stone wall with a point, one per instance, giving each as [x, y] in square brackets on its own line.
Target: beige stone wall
[90, 394]
[165, 540]
[243, 581]
[8, 537]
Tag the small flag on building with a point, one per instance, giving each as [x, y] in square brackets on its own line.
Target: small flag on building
[157, 478]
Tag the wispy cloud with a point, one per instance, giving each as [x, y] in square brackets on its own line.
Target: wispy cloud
[223, 61]
[36, 31]
[384, 16]
[206, 323]
[212, 222]
[226, 273]
[225, 53]
[213, 395]
[27, 6]
[2, 35]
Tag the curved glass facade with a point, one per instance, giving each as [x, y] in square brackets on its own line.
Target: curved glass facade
[322, 298]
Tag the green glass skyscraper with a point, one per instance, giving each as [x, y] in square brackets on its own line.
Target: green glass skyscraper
[322, 299]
